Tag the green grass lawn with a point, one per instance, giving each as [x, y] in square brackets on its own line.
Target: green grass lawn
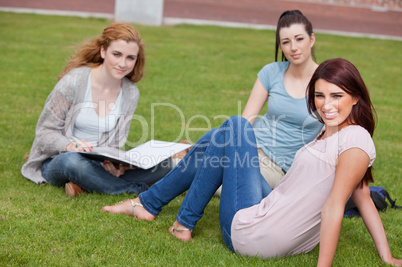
[195, 77]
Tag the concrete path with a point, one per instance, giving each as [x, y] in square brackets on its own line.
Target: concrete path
[338, 19]
[264, 13]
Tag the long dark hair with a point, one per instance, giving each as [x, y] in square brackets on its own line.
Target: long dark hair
[287, 19]
[344, 74]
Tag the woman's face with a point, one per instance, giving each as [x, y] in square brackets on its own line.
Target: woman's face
[296, 44]
[119, 58]
[333, 104]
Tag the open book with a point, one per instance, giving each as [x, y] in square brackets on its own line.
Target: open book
[144, 156]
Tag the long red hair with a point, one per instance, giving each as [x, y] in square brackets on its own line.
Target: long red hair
[88, 54]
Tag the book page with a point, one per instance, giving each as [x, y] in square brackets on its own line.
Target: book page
[153, 152]
[111, 154]
[144, 156]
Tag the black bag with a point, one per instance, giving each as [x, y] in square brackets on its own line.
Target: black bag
[378, 195]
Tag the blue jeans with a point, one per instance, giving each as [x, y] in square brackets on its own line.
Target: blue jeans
[228, 156]
[92, 177]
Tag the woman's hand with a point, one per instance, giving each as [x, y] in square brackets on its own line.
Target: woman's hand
[115, 171]
[368, 211]
[79, 146]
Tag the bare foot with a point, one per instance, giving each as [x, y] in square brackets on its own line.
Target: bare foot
[181, 232]
[127, 207]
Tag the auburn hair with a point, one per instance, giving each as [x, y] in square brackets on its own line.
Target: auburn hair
[88, 53]
[345, 75]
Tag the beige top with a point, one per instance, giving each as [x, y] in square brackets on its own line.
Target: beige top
[288, 220]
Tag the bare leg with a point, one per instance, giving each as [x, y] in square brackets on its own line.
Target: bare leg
[182, 233]
[131, 207]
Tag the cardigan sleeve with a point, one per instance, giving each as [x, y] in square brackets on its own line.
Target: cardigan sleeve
[51, 127]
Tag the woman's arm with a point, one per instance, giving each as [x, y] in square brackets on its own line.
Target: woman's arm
[256, 101]
[361, 197]
[50, 129]
[54, 124]
[352, 165]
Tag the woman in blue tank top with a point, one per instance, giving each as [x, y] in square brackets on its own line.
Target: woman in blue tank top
[287, 125]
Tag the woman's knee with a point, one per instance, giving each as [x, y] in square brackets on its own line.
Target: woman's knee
[68, 161]
[238, 122]
[240, 128]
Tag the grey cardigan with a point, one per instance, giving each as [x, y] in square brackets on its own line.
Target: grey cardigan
[56, 122]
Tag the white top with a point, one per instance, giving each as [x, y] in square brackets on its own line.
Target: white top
[288, 220]
[88, 125]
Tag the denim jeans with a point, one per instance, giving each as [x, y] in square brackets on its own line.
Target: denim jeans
[92, 177]
[226, 155]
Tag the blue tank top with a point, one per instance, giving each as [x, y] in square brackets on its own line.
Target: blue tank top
[287, 126]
